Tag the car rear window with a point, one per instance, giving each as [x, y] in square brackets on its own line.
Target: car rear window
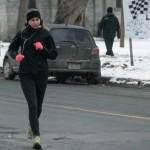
[75, 35]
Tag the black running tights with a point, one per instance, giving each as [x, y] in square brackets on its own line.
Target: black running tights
[34, 91]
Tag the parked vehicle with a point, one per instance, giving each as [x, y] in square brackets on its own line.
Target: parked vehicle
[78, 55]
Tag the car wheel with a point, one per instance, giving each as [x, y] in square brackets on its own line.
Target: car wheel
[61, 78]
[8, 70]
[93, 79]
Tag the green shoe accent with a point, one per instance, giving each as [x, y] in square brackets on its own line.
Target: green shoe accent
[37, 144]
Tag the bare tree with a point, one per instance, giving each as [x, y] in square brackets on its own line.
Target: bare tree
[32, 4]
[71, 12]
[22, 13]
[122, 26]
[23, 8]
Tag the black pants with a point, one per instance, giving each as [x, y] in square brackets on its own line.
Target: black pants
[109, 44]
[34, 90]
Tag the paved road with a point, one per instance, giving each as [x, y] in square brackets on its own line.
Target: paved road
[78, 117]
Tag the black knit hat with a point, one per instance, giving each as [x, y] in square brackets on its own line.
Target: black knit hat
[109, 9]
[32, 14]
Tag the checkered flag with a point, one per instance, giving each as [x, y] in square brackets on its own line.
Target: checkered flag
[138, 7]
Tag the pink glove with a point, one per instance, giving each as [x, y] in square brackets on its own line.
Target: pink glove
[38, 46]
[19, 57]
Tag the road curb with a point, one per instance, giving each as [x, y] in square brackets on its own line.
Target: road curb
[126, 82]
[129, 82]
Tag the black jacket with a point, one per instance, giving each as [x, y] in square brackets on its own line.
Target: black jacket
[110, 26]
[34, 62]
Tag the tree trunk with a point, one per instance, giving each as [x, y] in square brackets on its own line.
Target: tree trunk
[22, 14]
[122, 28]
[23, 8]
[71, 12]
[32, 4]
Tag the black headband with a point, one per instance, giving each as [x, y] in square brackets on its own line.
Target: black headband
[33, 14]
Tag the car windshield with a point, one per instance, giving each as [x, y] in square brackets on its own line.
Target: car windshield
[72, 35]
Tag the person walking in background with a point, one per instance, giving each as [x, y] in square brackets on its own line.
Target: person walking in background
[110, 26]
[37, 46]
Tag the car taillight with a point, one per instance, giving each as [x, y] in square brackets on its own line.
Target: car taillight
[95, 51]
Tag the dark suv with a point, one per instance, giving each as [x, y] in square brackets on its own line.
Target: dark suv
[78, 55]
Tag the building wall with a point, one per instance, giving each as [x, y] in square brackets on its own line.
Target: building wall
[95, 10]
[9, 14]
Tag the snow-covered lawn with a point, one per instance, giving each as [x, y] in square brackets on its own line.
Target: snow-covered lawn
[119, 66]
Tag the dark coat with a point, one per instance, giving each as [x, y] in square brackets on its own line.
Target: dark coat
[34, 62]
[110, 26]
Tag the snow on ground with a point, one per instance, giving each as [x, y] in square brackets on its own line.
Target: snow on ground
[119, 66]
[3, 49]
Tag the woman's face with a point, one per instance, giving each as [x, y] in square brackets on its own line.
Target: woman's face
[34, 22]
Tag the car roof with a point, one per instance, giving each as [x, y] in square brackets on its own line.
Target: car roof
[54, 26]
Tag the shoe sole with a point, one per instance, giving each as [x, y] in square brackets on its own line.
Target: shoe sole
[37, 147]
